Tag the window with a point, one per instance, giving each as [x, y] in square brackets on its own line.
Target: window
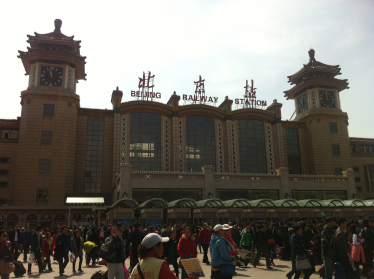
[4, 160]
[46, 137]
[338, 171]
[44, 165]
[353, 148]
[4, 172]
[335, 150]
[2, 201]
[333, 127]
[319, 194]
[200, 142]
[369, 177]
[3, 184]
[42, 195]
[358, 189]
[145, 141]
[93, 175]
[252, 148]
[247, 194]
[356, 169]
[49, 110]
[293, 151]
[9, 134]
[357, 179]
[367, 149]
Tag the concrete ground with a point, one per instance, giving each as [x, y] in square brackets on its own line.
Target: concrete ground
[280, 270]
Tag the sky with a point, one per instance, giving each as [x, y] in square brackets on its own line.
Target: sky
[226, 42]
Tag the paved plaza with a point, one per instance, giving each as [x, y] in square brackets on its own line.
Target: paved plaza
[279, 271]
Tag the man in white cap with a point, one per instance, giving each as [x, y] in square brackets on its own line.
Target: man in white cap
[222, 265]
[152, 266]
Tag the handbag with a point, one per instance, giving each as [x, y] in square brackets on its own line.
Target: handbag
[6, 268]
[302, 263]
[271, 241]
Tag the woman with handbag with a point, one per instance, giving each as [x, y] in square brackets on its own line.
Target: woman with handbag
[48, 249]
[5, 256]
[297, 252]
[77, 244]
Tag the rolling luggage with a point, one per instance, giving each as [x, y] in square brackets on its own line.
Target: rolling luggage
[99, 275]
[19, 269]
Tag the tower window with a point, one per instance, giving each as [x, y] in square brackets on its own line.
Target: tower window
[333, 127]
[44, 165]
[353, 148]
[4, 160]
[3, 184]
[46, 137]
[4, 172]
[336, 150]
[49, 110]
[338, 171]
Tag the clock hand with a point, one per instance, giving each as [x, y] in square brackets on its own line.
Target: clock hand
[50, 72]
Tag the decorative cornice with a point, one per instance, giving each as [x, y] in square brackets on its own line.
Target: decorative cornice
[258, 114]
[293, 124]
[27, 97]
[95, 112]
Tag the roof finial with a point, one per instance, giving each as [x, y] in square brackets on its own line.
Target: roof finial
[311, 53]
[58, 23]
[117, 88]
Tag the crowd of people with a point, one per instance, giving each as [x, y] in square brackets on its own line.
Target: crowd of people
[335, 245]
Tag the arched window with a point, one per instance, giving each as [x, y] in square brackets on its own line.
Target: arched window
[200, 142]
[145, 141]
[252, 146]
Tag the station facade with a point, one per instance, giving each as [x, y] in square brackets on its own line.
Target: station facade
[144, 149]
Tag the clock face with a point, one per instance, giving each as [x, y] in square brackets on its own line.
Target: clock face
[51, 76]
[303, 103]
[327, 99]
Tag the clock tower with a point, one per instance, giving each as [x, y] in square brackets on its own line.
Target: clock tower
[47, 137]
[316, 92]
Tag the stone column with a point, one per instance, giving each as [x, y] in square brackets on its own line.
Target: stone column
[351, 188]
[209, 182]
[126, 180]
[284, 183]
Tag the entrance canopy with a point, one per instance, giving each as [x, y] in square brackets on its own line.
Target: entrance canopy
[215, 203]
[154, 203]
[182, 203]
[237, 203]
[262, 203]
[310, 203]
[96, 201]
[286, 203]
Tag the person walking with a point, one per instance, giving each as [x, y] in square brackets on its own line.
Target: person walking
[113, 251]
[63, 246]
[26, 240]
[261, 245]
[246, 240]
[135, 239]
[5, 253]
[222, 265]
[327, 235]
[204, 240]
[15, 240]
[93, 254]
[36, 247]
[186, 248]
[368, 235]
[48, 250]
[271, 243]
[171, 252]
[344, 252]
[77, 245]
[297, 249]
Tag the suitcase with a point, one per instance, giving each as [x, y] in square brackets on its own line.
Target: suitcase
[98, 275]
[20, 269]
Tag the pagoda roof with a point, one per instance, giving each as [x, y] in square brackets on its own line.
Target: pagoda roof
[54, 47]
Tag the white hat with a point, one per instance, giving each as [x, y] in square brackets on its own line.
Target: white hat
[218, 227]
[152, 239]
[227, 227]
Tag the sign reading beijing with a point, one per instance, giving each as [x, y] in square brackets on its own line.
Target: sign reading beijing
[250, 99]
[145, 86]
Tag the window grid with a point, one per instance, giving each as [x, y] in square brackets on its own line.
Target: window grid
[4, 160]
[319, 195]
[93, 176]
[336, 150]
[9, 134]
[46, 137]
[338, 171]
[49, 110]
[4, 172]
[247, 194]
[333, 127]
[252, 148]
[293, 151]
[3, 184]
[367, 149]
[45, 166]
[200, 142]
[145, 141]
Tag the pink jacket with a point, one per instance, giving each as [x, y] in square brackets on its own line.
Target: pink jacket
[229, 238]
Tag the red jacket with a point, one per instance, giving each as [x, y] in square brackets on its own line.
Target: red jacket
[204, 237]
[187, 247]
[46, 247]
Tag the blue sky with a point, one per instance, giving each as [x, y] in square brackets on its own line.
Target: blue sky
[226, 42]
